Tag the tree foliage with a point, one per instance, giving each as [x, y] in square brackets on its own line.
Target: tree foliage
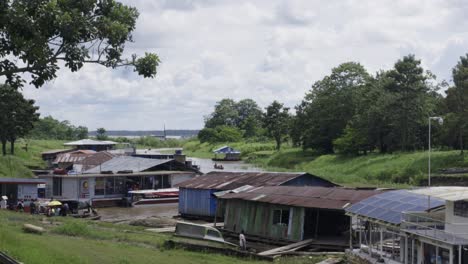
[276, 121]
[244, 115]
[50, 128]
[36, 35]
[17, 116]
[101, 134]
[220, 134]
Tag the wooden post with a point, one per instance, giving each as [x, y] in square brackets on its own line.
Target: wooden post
[317, 223]
[406, 250]
[459, 254]
[350, 233]
[451, 255]
[381, 241]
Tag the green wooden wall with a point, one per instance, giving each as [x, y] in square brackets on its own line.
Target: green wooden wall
[256, 218]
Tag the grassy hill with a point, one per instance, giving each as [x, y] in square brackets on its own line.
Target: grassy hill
[70, 240]
[391, 170]
[20, 164]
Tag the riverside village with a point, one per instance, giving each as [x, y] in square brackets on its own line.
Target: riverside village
[216, 132]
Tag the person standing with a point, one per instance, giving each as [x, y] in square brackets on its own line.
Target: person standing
[242, 241]
[32, 207]
[3, 203]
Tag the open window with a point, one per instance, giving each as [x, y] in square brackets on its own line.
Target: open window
[281, 217]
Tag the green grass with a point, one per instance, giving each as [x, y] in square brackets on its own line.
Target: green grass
[69, 240]
[383, 170]
[20, 164]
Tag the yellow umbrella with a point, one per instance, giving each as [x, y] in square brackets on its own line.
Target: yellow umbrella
[54, 203]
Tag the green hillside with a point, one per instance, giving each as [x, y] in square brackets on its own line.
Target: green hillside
[20, 164]
[392, 170]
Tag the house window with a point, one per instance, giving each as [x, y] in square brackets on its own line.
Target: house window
[100, 186]
[57, 186]
[281, 217]
[460, 208]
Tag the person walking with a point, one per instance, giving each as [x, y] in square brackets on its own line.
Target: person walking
[242, 241]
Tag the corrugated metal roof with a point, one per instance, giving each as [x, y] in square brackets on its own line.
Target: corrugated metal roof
[127, 163]
[226, 149]
[95, 160]
[449, 193]
[55, 151]
[231, 180]
[87, 142]
[21, 180]
[145, 173]
[73, 157]
[307, 196]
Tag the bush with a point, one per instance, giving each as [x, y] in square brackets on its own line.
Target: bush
[220, 134]
[73, 229]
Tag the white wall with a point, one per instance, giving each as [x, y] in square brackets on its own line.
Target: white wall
[70, 188]
[455, 224]
[27, 191]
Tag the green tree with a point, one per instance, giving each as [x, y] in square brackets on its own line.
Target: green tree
[39, 34]
[17, 118]
[249, 117]
[81, 132]
[408, 83]
[225, 114]
[457, 101]
[207, 135]
[329, 106]
[276, 122]
[101, 134]
[50, 128]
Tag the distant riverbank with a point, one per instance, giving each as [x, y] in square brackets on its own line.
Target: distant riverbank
[375, 169]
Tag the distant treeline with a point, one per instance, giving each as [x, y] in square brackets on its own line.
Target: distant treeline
[354, 112]
[185, 133]
[50, 128]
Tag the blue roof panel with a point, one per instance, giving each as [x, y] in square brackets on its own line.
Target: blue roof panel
[389, 206]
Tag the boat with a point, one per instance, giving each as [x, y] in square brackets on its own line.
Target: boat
[167, 195]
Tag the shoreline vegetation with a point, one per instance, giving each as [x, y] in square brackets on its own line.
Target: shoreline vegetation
[399, 169]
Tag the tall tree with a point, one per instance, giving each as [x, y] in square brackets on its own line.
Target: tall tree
[408, 83]
[17, 118]
[36, 35]
[101, 133]
[276, 122]
[249, 117]
[457, 98]
[225, 114]
[329, 106]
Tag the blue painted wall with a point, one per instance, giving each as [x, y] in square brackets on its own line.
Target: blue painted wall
[197, 202]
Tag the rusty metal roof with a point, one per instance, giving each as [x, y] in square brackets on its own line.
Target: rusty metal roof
[231, 180]
[307, 196]
[73, 157]
[95, 159]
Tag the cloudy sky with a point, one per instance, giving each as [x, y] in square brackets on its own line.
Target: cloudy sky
[264, 50]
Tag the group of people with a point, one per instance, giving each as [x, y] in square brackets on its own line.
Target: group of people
[219, 167]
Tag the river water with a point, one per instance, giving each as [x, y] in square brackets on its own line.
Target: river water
[117, 214]
[207, 165]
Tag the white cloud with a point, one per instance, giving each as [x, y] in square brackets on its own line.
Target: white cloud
[264, 50]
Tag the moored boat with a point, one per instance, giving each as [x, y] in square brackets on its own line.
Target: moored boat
[168, 195]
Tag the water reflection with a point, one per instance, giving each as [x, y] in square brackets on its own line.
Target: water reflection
[116, 214]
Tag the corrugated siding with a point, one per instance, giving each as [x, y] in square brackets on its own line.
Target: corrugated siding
[257, 219]
[196, 202]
